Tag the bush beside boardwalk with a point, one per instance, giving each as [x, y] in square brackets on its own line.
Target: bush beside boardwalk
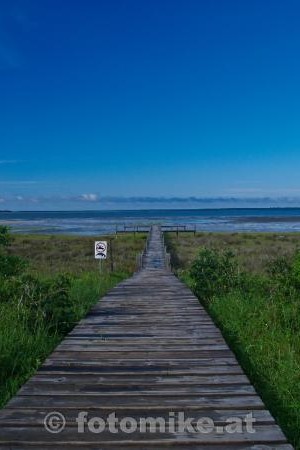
[256, 305]
[47, 284]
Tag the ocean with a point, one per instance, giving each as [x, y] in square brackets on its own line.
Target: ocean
[93, 223]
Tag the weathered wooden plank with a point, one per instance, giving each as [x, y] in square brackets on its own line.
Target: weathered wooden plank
[134, 370]
[29, 417]
[137, 379]
[263, 434]
[118, 401]
[102, 347]
[140, 362]
[127, 389]
[142, 446]
[174, 355]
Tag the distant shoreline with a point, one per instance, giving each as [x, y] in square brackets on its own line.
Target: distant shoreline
[238, 208]
[93, 223]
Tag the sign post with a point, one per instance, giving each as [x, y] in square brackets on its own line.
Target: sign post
[100, 252]
[111, 254]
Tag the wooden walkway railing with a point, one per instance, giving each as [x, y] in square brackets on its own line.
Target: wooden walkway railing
[146, 228]
[146, 350]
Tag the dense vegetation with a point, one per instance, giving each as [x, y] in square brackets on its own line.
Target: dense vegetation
[249, 283]
[258, 312]
[252, 250]
[54, 254]
[45, 292]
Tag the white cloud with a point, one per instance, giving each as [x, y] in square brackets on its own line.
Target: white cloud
[93, 200]
[89, 197]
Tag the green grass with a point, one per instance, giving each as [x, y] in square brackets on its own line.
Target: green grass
[268, 352]
[22, 349]
[259, 314]
[25, 344]
[52, 254]
[26, 341]
[253, 250]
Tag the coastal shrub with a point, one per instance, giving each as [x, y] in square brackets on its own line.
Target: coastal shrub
[280, 270]
[11, 265]
[296, 269]
[5, 236]
[58, 306]
[284, 276]
[43, 299]
[213, 272]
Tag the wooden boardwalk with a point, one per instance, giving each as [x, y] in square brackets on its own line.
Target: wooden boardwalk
[147, 349]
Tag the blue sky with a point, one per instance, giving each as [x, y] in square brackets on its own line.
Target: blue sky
[129, 103]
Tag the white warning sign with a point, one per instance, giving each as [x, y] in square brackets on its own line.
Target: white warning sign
[100, 249]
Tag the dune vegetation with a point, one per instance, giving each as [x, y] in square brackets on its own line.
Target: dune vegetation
[248, 282]
[250, 285]
[47, 284]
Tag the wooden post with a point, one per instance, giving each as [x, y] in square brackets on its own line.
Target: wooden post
[111, 255]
